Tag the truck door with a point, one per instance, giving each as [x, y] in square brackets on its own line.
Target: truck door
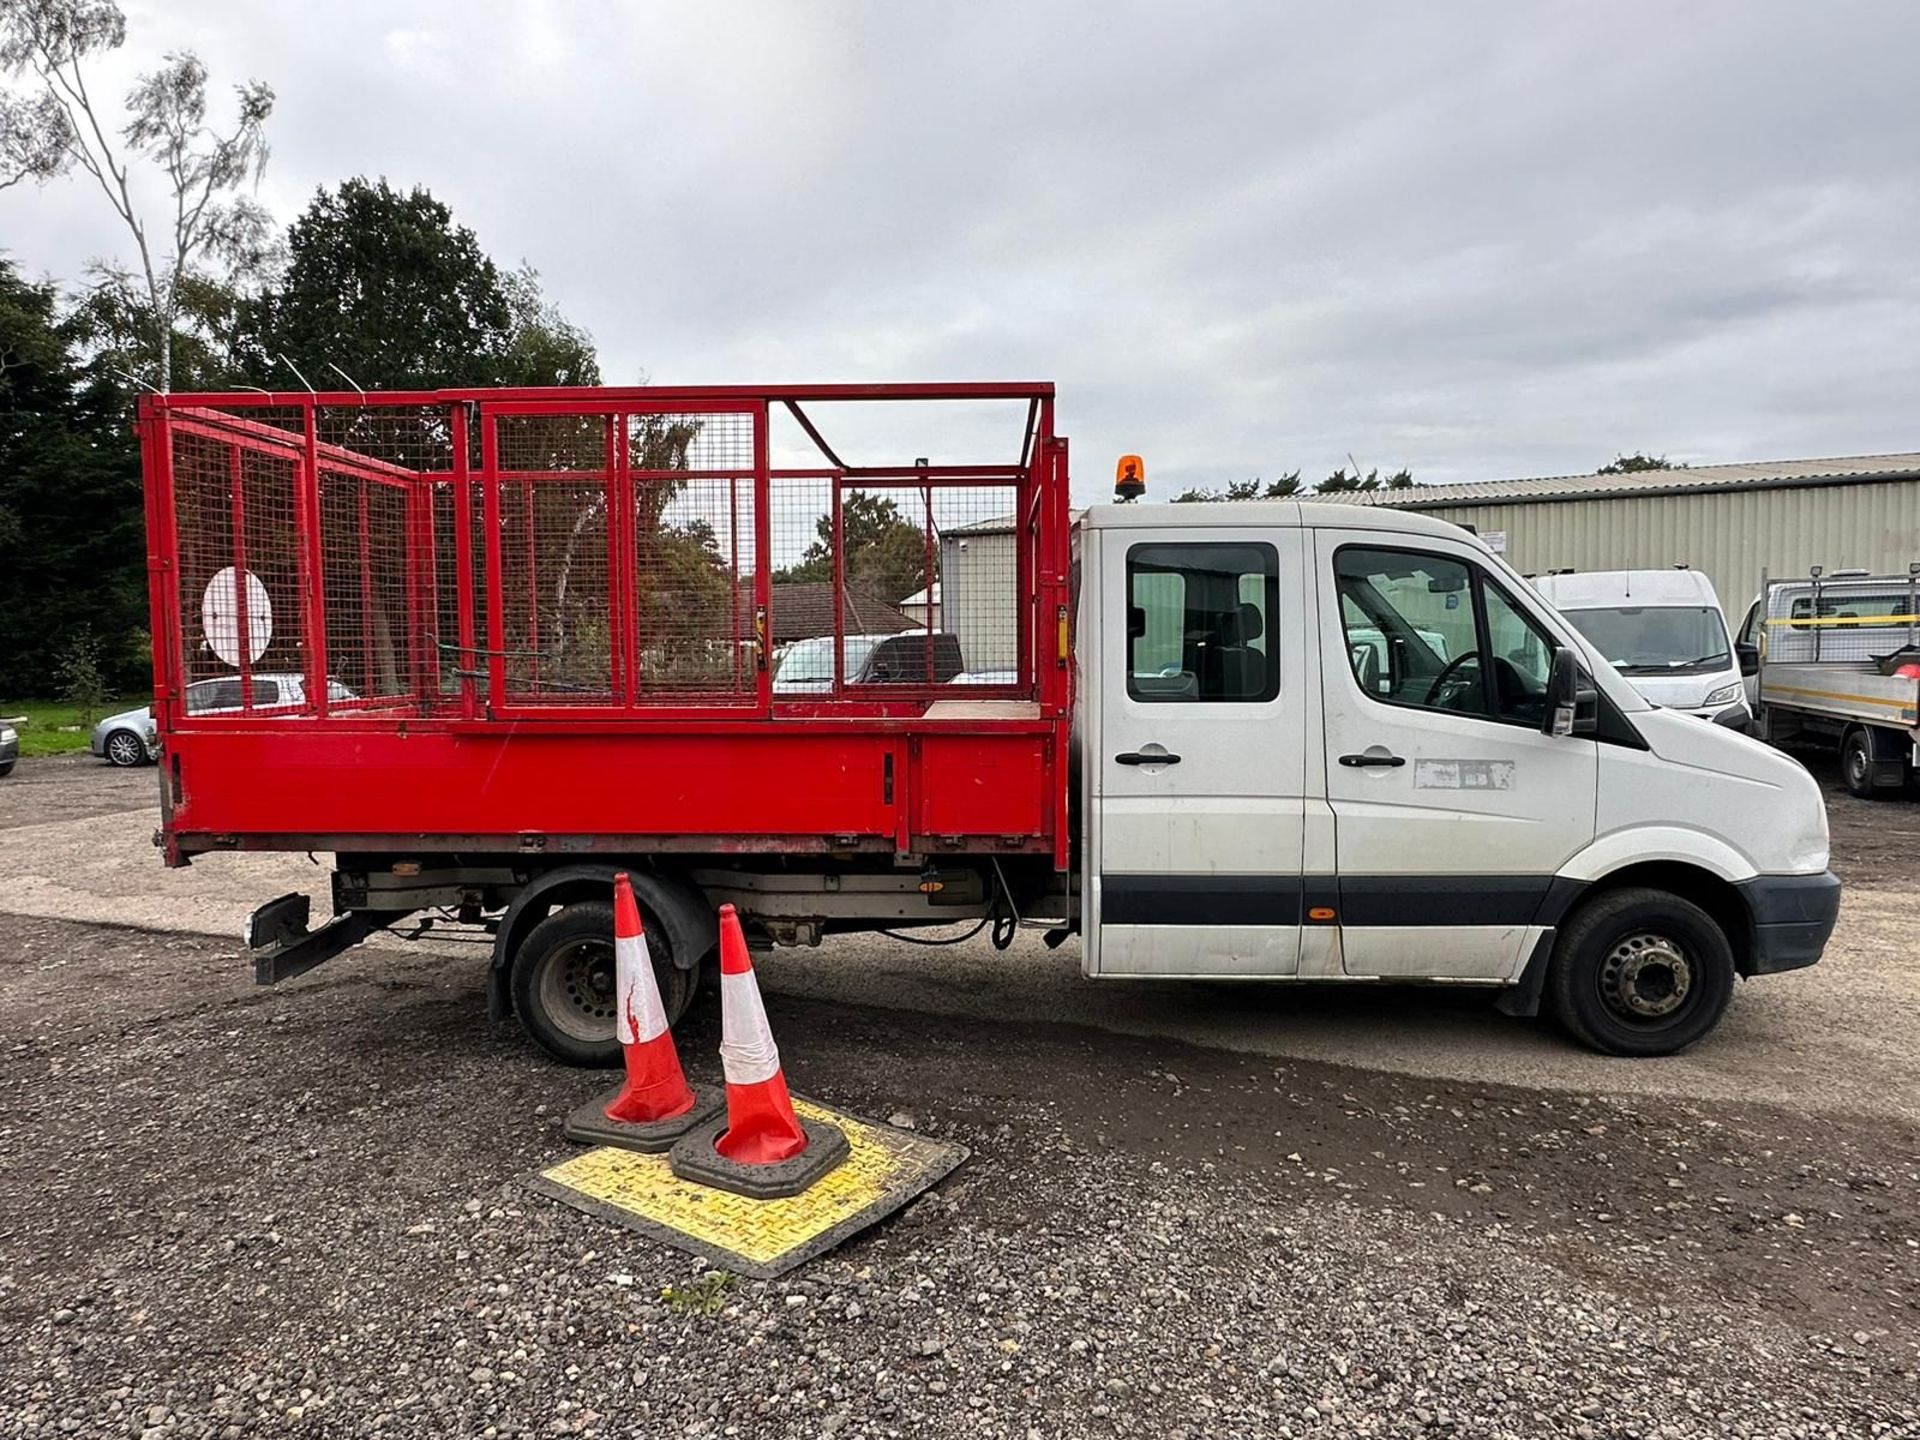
[1452, 812]
[1197, 755]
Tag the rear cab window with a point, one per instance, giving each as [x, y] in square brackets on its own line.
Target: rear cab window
[1201, 623]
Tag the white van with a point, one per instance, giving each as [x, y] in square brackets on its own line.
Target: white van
[1664, 630]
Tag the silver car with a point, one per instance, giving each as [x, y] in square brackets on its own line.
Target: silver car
[9, 748]
[129, 738]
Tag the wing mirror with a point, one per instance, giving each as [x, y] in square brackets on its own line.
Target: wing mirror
[1573, 704]
[1749, 658]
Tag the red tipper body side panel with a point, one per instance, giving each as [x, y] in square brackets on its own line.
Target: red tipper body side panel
[546, 621]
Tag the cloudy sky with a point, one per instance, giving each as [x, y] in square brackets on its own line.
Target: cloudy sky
[1479, 240]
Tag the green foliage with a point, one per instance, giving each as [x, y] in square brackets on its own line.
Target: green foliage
[388, 288]
[1340, 480]
[71, 526]
[1635, 463]
[1254, 489]
[1289, 484]
[77, 671]
[112, 323]
[886, 554]
[704, 1296]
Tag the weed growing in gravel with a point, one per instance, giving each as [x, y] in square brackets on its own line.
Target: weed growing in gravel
[701, 1297]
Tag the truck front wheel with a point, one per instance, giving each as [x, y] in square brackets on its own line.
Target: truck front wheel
[563, 983]
[1640, 972]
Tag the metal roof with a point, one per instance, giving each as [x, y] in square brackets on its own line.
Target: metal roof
[1845, 470]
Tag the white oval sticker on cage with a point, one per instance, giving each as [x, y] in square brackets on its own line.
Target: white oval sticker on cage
[220, 611]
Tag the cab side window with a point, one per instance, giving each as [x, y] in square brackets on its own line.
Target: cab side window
[1201, 622]
[1432, 632]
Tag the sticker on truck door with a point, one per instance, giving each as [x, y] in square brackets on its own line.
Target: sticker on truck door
[1463, 774]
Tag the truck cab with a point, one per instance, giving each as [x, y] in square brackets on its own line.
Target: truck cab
[1325, 743]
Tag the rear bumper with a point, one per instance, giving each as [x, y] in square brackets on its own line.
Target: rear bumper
[1791, 918]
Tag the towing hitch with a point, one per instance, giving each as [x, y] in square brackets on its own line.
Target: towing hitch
[279, 930]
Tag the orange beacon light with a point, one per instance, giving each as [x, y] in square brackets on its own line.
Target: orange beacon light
[1130, 478]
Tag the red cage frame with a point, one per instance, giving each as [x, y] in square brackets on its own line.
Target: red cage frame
[479, 767]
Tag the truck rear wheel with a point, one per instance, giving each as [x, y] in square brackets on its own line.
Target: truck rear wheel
[563, 982]
[1857, 767]
[1640, 972]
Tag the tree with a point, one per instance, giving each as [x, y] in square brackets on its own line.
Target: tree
[53, 126]
[387, 289]
[1635, 463]
[78, 670]
[1254, 489]
[886, 554]
[113, 327]
[70, 513]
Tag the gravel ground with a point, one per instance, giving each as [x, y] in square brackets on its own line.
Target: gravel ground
[228, 1212]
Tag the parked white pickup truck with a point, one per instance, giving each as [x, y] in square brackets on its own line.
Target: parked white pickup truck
[1840, 664]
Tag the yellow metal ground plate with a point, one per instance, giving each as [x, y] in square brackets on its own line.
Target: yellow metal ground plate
[885, 1168]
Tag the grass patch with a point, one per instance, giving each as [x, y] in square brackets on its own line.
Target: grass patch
[43, 733]
[704, 1296]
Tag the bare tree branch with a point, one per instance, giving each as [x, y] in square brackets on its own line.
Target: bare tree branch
[58, 128]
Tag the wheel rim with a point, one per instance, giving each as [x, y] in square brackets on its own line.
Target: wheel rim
[123, 749]
[577, 989]
[1646, 978]
[1857, 763]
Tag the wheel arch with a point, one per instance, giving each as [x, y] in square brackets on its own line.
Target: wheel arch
[692, 930]
[1713, 893]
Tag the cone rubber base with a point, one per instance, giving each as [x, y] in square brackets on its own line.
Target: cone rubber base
[589, 1124]
[694, 1158]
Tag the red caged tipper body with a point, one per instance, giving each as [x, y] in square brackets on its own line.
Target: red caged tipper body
[469, 639]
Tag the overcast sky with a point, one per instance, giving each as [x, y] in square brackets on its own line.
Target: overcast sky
[1477, 240]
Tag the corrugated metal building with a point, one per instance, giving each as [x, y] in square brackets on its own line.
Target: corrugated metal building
[1732, 521]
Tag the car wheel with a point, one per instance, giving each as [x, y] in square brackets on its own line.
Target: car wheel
[126, 749]
[563, 982]
[1640, 972]
[6, 769]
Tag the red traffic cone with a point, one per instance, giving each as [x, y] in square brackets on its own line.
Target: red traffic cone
[761, 1126]
[655, 1088]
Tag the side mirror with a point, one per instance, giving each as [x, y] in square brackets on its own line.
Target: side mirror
[1749, 658]
[1573, 704]
[1136, 621]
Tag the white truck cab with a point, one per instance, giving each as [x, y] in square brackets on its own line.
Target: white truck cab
[1339, 743]
[1665, 631]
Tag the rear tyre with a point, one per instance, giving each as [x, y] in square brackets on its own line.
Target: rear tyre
[563, 982]
[125, 749]
[1640, 972]
[1856, 767]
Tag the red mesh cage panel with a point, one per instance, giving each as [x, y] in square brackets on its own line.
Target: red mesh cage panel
[946, 558]
[590, 553]
[373, 609]
[695, 553]
[238, 566]
[271, 530]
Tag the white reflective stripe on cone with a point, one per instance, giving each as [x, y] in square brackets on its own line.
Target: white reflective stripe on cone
[639, 1015]
[747, 1051]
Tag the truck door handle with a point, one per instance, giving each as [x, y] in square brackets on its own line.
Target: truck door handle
[1135, 757]
[1392, 761]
